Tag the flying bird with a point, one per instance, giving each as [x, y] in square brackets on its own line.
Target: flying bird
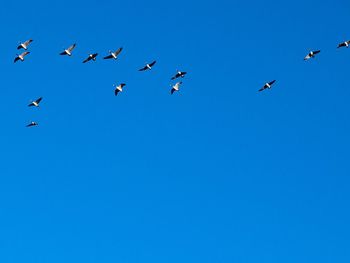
[91, 57]
[179, 74]
[25, 44]
[115, 54]
[32, 124]
[176, 87]
[35, 103]
[68, 51]
[267, 85]
[148, 66]
[344, 44]
[311, 54]
[21, 56]
[119, 88]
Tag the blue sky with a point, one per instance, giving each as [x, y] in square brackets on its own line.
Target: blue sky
[215, 173]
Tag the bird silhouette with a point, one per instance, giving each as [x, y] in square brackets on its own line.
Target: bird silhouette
[91, 57]
[32, 124]
[148, 66]
[311, 54]
[21, 56]
[175, 87]
[344, 44]
[35, 103]
[267, 85]
[25, 44]
[114, 55]
[68, 51]
[179, 74]
[119, 88]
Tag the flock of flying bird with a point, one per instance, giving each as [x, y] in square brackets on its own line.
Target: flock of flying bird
[112, 55]
[311, 54]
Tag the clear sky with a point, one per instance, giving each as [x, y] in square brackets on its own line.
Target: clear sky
[216, 172]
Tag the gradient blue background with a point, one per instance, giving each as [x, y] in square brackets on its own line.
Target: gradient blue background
[215, 173]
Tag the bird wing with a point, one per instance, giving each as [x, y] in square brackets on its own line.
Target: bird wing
[152, 64]
[38, 100]
[178, 84]
[28, 42]
[172, 91]
[108, 57]
[31, 104]
[16, 59]
[177, 75]
[118, 51]
[341, 44]
[87, 59]
[116, 91]
[143, 69]
[71, 47]
[316, 52]
[262, 88]
[271, 82]
[25, 53]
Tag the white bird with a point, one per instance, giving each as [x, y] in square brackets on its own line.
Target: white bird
[267, 85]
[68, 51]
[115, 54]
[344, 44]
[148, 66]
[311, 54]
[32, 124]
[176, 87]
[21, 56]
[119, 88]
[91, 57]
[35, 103]
[25, 44]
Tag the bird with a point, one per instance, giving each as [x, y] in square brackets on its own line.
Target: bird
[35, 103]
[115, 54]
[344, 44]
[25, 44]
[32, 124]
[21, 56]
[267, 85]
[68, 51]
[91, 57]
[311, 54]
[148, 66]
[119, 88]
[175, 87]
[179, 74]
